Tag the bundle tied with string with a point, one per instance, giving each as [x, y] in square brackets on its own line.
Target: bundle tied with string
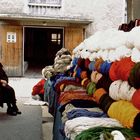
[85, 74]
[125, 112]
[98, 63]
[78, 72]
[98, 94]
[87, 62]
[105, 102]
[134, 77]
[121, 90]
[91, 88]
[91, 65]
[62, 60]
[48, 71]
[74, 61]
[121, 69]
[81, 63]
[105, 67]
[136, 99]
[85, 82]
[95, 76]
[104, 82]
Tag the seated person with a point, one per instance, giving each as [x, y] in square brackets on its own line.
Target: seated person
[7, 94]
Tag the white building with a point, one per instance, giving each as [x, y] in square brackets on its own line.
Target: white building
[34, 30]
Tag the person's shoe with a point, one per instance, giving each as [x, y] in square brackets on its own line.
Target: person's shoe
[15, 108]
[10, 111]
[18, 112]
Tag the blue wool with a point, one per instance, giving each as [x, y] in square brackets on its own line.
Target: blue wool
[78, 72]
[74, 62]
[91, 65]
[83, 112]
[104, 68]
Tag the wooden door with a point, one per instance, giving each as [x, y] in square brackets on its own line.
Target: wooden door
[73, 37]
[11, 49]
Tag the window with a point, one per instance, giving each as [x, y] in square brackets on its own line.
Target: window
[11, 37]
[56, 38]
[56, 3]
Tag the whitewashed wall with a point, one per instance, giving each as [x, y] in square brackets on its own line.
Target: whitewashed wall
[104, 13]
[11, 6]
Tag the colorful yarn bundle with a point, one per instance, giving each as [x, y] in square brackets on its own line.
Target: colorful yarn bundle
[121, 69]
[91, 88]
[98, 63]
[134, 77]
[81, 63]
[98, 94]
[136, 99]
[83, 74]
[105, 102]
[121, 90]
[125, 112]
[87, 62]
[78, 72]
[105, 67]
[104, 82]
[74, 61]
[85, 82]
[91, 65]
[95, 76]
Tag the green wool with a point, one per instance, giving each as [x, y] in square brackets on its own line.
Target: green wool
[95, 133]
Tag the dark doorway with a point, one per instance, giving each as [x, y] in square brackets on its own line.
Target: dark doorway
[41, 45]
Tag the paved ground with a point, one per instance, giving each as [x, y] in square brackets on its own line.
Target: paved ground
[23, 87]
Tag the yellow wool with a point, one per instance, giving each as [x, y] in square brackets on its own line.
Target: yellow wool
[124, 111]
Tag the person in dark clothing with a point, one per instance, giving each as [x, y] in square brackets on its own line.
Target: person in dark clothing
[7, 94]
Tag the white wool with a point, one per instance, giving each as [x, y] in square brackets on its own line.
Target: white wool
[104, 55]
[79, 124]
[135, 57]
[85, 53]
[122, 52]
[92, 42]
[77, 55]
[117, 135]
[93, 56]
[114, 89]
[129, 40]
[99, 54]
[80, 47]
[112, 56]
[135, 37]
[126, 91]
[112, 38]
[121, 90]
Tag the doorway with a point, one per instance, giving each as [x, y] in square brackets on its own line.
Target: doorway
[41, 45]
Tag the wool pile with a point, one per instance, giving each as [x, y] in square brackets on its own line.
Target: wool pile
[103, 73]
[109, 71]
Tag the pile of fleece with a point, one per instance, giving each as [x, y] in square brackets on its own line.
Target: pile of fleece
[108, 66]
[111, 45]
